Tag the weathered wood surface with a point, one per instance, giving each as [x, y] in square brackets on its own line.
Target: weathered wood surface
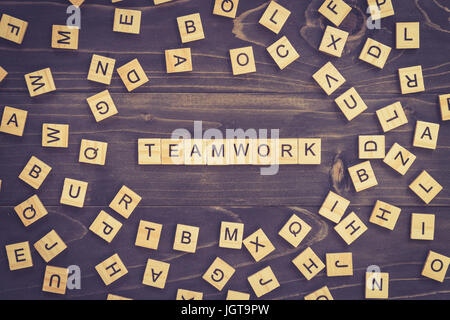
[289, 100]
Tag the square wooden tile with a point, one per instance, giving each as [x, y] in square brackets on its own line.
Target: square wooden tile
[294, 230]
[425, 187]
[105, 226]
[55, 280]
[283, 52]
[156, 273]
[183, 294]
[13, 121]
[351, 104]
[350, 228]
[399, 159]
[407, 35]
[334, 206]
[216, 152]
[335, 11]
[172, 151]
[93, 152]
[111, 269]
[436, 266]
[263, 281]
[274, 17]
[149, 151]
[391, 116]
[226, 8]
[362, 176]
[333, 41]
[377, 285]
[422, 226]
[102, 106]
[241, 151]
[50, 245]
[190, 28]
[55, 135]
[320, 294]
[288, 151]
[237, 295]
[194, 152]
[101, 69]
[30, 211]
[308, 263]
[372, 147]
[132, 74]
[258, 245]
[186, 238]
[380, 9]
[309, 150]
[242, 60]
[329, 78]
[148, 234]
[127, 21]
[231, 234]
[218, 274]
[375, 53]
[339, 264]
[385, 215]
[426, 135]
[411, 79]
[3, 74]
[65, 37]
[19, 256]
[40, 82]
[444, 102]
[178, 60]
[125, 201]
[114, 297]
[35, 172]
[74, 193]
[12, 29]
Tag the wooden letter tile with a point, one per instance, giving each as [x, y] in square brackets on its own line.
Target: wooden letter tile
[334, 206]
[218, 274]
[399, 159]
[93, 152]
[12, 29]
[190, 28]
[148, 235]
[101, 69]
[40, 82]
[274, 17]
[258, 245]
[425, 187]
[362, 176]
[385, 215]
[102, 106]
[375, 53]
[263, 281]
[127, 21]
[132, 75]
[178, 60]
[13, 121]
[242, 60]
[55, 135]
[288, 151]
[309, 151]
[31, 210]
[236, 295]
[329, 78]
[65, 37]
[231, 234]
[407, 35]
[320, 294]
[351, 104]
[216, 152]
[105, 226]
[74, 193]
[422, 226]
[186, 238]
[157, 2]
[125, 202]
[295, 230]
[3, 74]
[372, 147]
[339, 264]
[444, 101]
[156, 273]
[350, 228]
[335, 10]
[377, 285]
[19, 256]
[333, 41]
[55, 280]
[426, 135]
[226, 8]
[411, 79]
[435, 266]
[172, 151]
[391, 116]
[183, 294]
[35, 172]
[195, 152]
[111, 269]
[241, 151]
[50, 246]
[149, 151]
[308, 263]
[282, 52]
[267, 151]
[115, 297]
[380, 9]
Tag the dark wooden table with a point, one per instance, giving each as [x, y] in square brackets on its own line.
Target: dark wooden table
[203, 196]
